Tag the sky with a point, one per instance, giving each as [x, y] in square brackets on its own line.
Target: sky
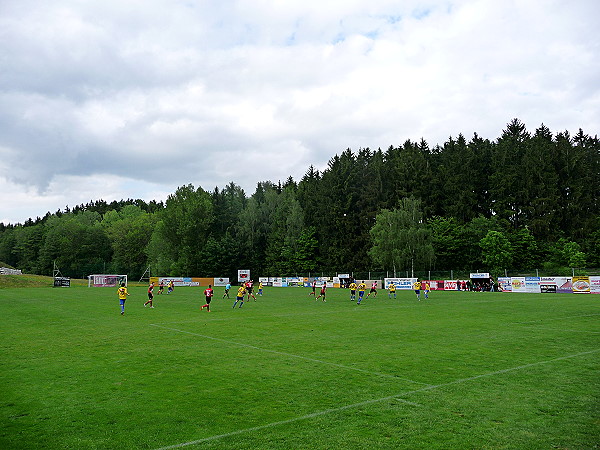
[112, 99]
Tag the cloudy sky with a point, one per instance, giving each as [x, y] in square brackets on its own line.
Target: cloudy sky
[113, 99]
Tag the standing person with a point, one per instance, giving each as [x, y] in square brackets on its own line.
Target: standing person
[240, 296]
[352, 291]
[322, 294]
[122, 291]
[362, 287]
[260, 288]
[426, 289]
[373, 289]
[314, 287]
[208, 293]
[171, 287]
[391, 290]
[150, 295]
[249, 287]
[161, 287]
[417, 288]
[227, 287]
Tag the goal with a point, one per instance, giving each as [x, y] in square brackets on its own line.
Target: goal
[103, 280]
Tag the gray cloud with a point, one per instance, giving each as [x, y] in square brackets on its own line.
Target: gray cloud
[116, 100]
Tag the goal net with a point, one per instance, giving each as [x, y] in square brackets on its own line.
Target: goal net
[102, 280]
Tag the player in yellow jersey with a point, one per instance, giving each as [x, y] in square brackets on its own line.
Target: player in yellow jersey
[426, 289]
[352, 291]
[391, 290]
[362, 287]
[122, 291]
[240, 296]
[417, 288]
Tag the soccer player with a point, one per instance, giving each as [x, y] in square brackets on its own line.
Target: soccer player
[322, 294]
[161, 287]
[362, 287]
[122, 291]
[171, 287]
[426, 289]
[352, 291]
[240, 296]
[260, 288]
[391, 290]
[150, 295]
[417, 288]
[208, 293]
[249, 287]
[227, 287]
[373, 290]
[314, 287]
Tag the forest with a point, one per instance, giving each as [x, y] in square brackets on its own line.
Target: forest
[525, 201]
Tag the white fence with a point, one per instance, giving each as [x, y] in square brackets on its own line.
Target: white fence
[7, 271]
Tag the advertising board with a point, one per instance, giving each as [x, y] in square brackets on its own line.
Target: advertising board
[518, 284]
[595, 285]
[581, 285]
[401, 283]
[505, 284]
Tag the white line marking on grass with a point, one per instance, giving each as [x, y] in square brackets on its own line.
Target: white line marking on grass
[341, 366]
[378, 400]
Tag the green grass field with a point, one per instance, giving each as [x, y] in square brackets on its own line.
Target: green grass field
[460, 370]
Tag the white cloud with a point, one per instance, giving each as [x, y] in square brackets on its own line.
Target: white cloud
[133, 99]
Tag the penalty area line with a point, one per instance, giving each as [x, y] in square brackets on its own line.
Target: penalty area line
[378, 400]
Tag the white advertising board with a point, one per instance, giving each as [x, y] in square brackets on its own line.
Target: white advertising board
[532, 285]
[484, 275]
[595, 285]
[401, 283]
[505, 284]
[243, 275]
[518, 284]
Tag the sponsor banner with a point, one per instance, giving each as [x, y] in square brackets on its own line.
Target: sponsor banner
[401, 283]
[343, 275]
[266, 281]
[595, 285]
[505, 284]
[108, 280]
[435, 285]
[450, 285]
[547, 288]
[581, 285]
[564, 285]
[243, 276]
[294, 281]
[548, 285]
[62, 282]
[480, 275]
[555, 285]
[518, 284]
[183, 281]
[222, 281]
[532, 285]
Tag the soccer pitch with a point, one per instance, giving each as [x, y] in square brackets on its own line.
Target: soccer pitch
[460, 370]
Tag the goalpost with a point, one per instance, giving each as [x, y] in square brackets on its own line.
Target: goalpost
[103, 280]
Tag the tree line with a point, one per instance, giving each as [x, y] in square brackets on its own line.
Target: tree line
[523, 201]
